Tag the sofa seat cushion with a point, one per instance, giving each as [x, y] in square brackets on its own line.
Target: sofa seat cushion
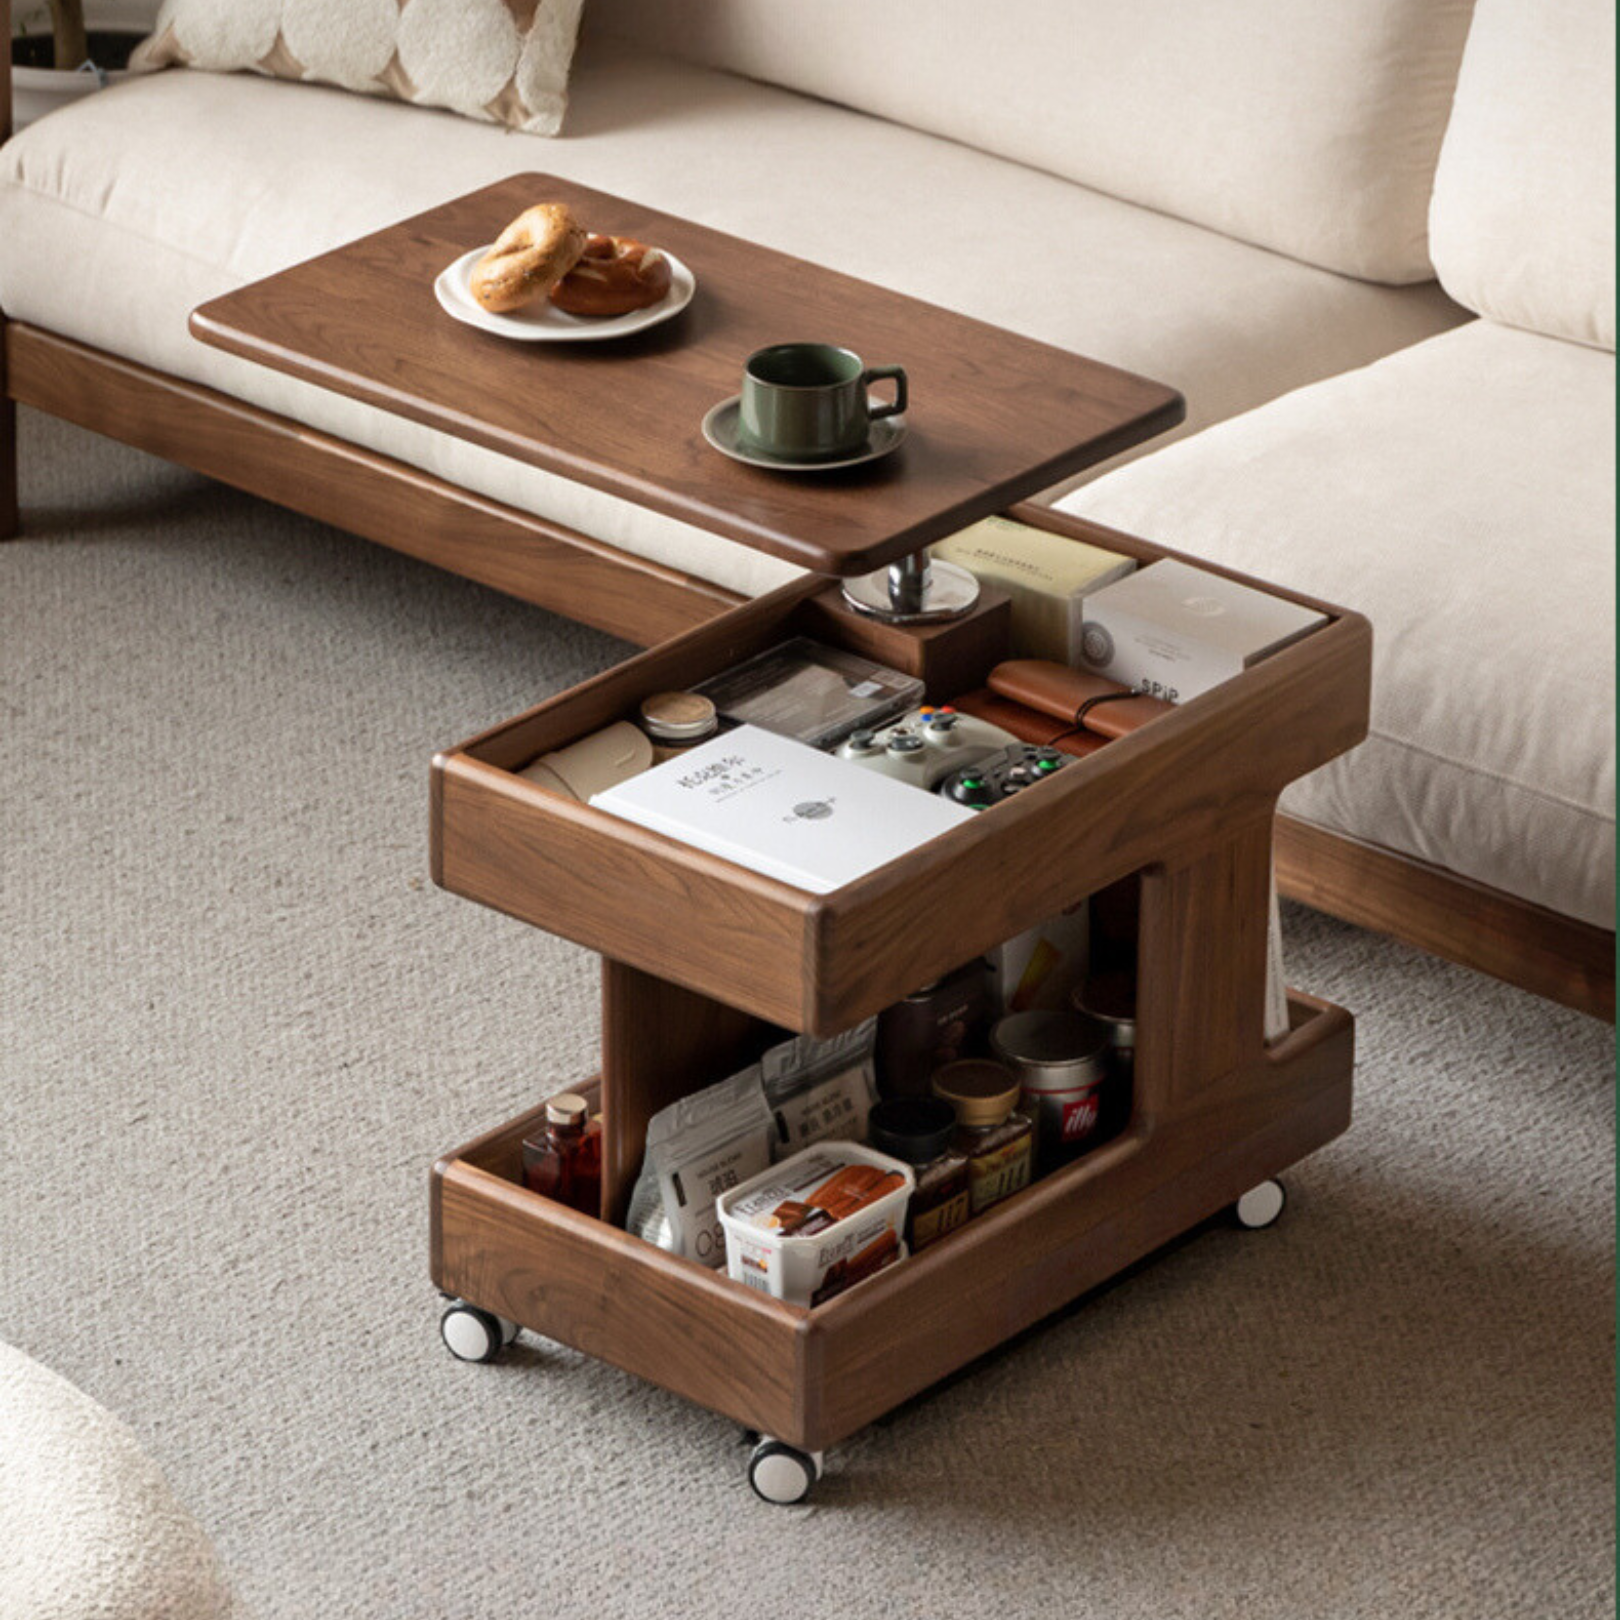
[126, 211]
[1461, 495]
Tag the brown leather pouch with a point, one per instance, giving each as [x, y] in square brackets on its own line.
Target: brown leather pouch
[1074, 696]
[1028, 725]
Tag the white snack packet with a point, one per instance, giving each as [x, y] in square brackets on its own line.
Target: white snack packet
[820, 1090]
[697, 1148]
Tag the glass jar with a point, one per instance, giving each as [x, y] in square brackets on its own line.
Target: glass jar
[997, 1141]
[919, 1131]
[676, 721]
[564, 1160]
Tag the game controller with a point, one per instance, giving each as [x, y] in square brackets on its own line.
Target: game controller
[926, 745]
[1003, 774]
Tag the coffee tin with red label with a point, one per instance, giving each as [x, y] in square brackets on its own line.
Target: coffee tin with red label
[1061, 1062]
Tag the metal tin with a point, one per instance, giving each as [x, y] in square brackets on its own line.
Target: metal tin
[1061, 1061]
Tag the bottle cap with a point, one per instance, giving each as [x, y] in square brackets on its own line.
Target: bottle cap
[677, 716]
[916, 1129]
[982, 1093]
[566, 1108]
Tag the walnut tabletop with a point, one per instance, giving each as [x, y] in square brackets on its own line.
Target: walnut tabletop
[994, 417]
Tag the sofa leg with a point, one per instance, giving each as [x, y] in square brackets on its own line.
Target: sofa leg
[9, 523]
[8, 447]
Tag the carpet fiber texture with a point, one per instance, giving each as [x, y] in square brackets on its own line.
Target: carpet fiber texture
[238, 1023]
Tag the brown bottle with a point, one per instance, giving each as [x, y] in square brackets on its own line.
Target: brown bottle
[564, 1161]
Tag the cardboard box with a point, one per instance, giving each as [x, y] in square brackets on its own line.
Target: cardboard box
[1174, 631]
[1047, 576]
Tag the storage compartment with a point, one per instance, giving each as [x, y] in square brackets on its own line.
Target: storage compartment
[823, 962]
[814, 1376]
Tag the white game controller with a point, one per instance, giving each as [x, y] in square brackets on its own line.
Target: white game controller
[925, 746]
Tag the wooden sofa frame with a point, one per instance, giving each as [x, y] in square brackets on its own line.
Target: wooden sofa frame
[571, 574]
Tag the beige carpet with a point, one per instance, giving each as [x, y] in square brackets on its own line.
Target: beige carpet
[237, 1023]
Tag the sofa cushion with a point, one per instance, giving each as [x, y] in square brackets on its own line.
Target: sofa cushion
[1523, 213]
[90, 1529]
[126, 211]
[1308, 128]
[504, 61]
[1461, 494]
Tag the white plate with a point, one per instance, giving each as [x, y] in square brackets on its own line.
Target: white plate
[542, 321]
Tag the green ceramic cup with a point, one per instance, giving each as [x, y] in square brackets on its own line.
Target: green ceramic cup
[807, 401]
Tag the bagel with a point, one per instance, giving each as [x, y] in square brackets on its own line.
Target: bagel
[613, 276]
[528, 259]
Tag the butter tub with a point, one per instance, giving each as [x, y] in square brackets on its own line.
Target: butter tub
[818, 1223]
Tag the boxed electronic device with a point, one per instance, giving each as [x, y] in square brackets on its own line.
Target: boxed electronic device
[1046, 575]
[1175, 631]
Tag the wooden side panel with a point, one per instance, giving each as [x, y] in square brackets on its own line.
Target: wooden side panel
[625, 896]
[659, 1043]
[1202, 967]
[587, 1284]
[887, 1340]
[1160, 796]
[1538, 950]
[354, 489]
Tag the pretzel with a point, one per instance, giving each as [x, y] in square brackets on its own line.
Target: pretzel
[614, 276]
[528, 259]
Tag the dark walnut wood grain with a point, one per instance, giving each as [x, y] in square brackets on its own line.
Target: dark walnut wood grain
[994, 417]
[358, 490]
[814, 1377]
[1557, 957]
[1173, 791]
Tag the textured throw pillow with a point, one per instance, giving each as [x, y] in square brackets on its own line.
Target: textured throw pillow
[504, 61]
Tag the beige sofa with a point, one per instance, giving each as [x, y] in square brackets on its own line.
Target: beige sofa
[1233, 199]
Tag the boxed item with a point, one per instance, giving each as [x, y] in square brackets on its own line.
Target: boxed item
[1039, 968]
[818, 1223]
[813, 693]
[1174, 631]
[1047, 576]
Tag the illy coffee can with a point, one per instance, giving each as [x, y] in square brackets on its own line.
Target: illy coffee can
[1062, 1063]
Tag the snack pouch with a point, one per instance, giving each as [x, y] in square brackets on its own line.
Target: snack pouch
[820, 1090]
[697, 1148]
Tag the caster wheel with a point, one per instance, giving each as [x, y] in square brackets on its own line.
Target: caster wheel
[470, 1334]
[782, 1474]
[1260, 1206]
[509, 1330]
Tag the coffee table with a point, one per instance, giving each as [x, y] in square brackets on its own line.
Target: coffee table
[994, 418]
[703, 962]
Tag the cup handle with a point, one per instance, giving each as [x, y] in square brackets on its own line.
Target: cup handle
[873, 374]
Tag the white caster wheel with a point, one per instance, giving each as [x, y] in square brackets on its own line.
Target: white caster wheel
[1260, 1206]
[782, 1474]
[470, 1334]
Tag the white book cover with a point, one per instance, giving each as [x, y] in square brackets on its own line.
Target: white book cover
[783, 808]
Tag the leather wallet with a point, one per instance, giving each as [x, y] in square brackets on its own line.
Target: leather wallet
[1074, 696]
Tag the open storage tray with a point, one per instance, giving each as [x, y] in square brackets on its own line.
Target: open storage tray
[823, 962]
[812, 1377]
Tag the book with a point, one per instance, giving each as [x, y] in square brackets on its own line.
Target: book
[1048, 577]
[1174, 631]
[782, 808]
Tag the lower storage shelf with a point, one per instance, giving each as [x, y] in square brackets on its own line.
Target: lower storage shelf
[813, 1377]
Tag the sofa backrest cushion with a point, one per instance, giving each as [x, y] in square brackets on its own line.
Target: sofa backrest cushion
[1523, 215]
[1308, 126]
